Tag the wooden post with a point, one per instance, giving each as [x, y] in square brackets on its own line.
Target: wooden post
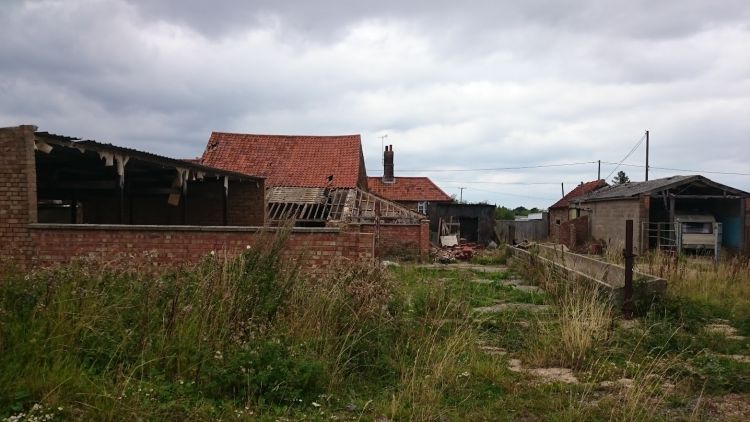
[121, 196]
[225, 210]
[627, 303]
[73, 209]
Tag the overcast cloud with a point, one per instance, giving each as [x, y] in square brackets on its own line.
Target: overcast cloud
[454, 85]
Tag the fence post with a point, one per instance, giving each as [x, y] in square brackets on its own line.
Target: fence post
[627, 303]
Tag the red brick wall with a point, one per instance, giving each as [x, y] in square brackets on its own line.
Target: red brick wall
[555, 214]
[401, 240]
[17, 192]
[247, 203]
[56, 244]
[574, 232]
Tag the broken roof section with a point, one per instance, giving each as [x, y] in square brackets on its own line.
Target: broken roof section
[109, 151]
[322, 206]
[290, 161]
[414, 189]
[578, 191]
[697, 184]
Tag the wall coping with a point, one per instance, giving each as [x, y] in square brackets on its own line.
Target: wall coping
[161, 228]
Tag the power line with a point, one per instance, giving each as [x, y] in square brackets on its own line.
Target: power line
[500, 183]
[628, 155]
[501, 168]
[687, 170]
[506, 193]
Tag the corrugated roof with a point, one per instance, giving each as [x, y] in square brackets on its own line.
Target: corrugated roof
[408, 189]
[579, 191]
[300, 161]
[636, 189]
[73, 142]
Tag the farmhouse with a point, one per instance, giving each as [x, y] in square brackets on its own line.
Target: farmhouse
[321, 181]
[565, 210]
[667, 213]
[415, 193]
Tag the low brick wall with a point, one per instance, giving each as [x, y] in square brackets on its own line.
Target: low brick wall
[59, 243]
[401, 240]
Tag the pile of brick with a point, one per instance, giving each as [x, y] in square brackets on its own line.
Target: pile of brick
[461, 252]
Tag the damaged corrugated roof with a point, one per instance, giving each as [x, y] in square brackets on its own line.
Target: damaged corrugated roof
[90, 145]
[636, 189]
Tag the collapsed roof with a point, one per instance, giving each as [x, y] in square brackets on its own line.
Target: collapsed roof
[327, 206]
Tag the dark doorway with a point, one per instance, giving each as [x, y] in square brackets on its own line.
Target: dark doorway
[469, 228]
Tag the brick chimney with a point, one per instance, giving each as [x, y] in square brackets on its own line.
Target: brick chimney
[388, 164]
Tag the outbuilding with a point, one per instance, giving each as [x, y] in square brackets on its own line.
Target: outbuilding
[666, 210]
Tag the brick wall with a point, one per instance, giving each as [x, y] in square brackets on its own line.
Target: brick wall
[401, 240]
[247, 203]
[573, 232]
[555, 215]
[17, 192]
[608, 220]
[56, 244]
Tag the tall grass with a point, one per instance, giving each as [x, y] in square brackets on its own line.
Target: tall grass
[726, 283]
[224, 338]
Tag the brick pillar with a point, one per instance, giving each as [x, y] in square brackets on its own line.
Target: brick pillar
[424, 239]
[17, 193]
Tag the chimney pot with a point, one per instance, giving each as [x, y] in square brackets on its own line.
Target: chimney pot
[388, 165]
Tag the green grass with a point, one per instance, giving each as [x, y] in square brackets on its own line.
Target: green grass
[254, 339]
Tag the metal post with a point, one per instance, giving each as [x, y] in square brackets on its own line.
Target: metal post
[647, 156]
[627, 303]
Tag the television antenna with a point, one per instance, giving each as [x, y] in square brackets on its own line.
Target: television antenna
[382, 145]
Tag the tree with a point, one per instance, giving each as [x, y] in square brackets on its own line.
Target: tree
[521, 211]
[503, 213]
[620, 178]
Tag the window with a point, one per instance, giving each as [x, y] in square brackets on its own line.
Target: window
[697, 228]
[422, 207]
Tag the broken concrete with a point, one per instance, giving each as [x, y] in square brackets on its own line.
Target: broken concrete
[504, 307]
[550, 375]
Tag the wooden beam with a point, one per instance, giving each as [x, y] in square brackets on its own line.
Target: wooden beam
[705, 196]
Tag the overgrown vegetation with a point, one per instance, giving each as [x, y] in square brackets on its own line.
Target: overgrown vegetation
[254, 338]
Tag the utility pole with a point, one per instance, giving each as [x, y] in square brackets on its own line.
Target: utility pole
[599, 171]
[647, 156]
[382, 156]
[461, 195]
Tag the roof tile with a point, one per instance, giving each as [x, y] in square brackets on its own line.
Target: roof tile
[579, 191]
[298, 161]
[407, 189]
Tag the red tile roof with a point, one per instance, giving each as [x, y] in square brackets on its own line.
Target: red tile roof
[407, 189]
[298, 161]
[579, 190]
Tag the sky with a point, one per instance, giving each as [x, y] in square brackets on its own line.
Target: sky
[467, 92]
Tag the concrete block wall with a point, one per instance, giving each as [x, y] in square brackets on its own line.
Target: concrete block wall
[608, 220]
[17, 193]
